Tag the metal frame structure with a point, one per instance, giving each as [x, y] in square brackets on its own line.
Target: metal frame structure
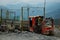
[28, 14]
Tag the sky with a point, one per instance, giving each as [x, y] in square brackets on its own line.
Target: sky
[6, 2]
[17, 3]
[51, 5]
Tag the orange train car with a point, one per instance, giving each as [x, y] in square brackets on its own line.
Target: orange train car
[48, 26]
[40, 25]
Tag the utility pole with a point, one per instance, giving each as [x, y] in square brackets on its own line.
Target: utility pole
[14, 17]
[44, 8]
[28, 12]
[22, 18]
[7, 15]
[28, 15]
[1, 16]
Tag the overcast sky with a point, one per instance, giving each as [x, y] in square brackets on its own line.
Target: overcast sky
[51, 5]
[5, 2]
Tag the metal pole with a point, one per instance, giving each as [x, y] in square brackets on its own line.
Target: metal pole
[1, 17]
[22, 18]
[14, 18]
[28, 15]
[7, 15]
[1, 14]
[44, 8]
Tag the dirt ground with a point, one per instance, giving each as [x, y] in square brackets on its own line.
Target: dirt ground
[57, 31]
[26, 36]
[29, 36]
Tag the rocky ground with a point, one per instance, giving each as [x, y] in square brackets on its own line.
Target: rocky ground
[26, 36]
[29, 36]
[57, 31]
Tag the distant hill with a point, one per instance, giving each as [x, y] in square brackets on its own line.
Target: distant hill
[57, 21]
[55, 14]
